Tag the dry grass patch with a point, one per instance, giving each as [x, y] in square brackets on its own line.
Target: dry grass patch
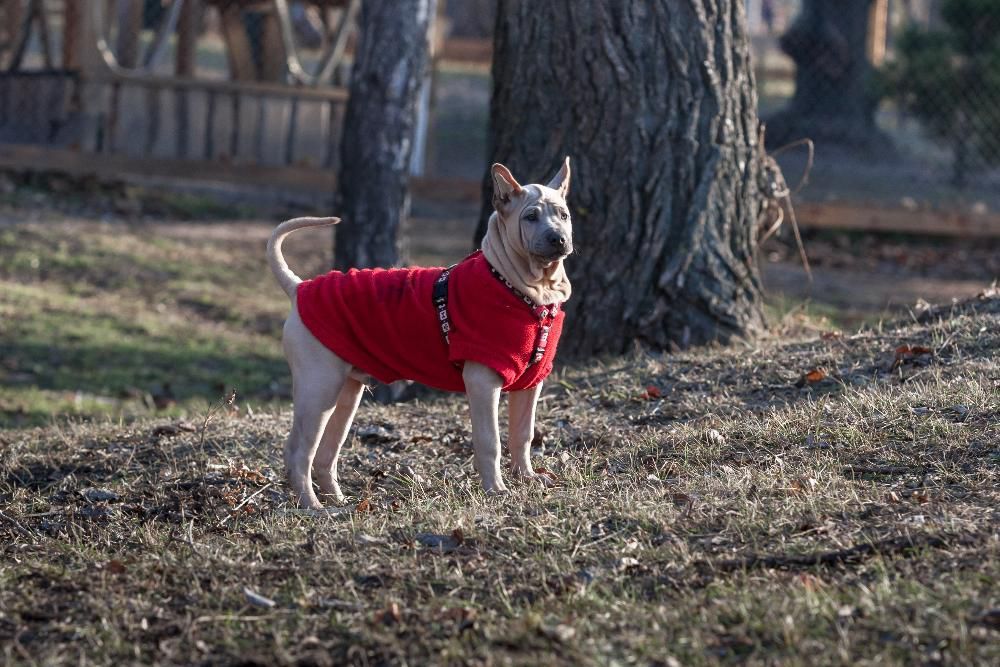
[714, 506]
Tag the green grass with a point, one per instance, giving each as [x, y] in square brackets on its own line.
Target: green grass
[745, 516]
[123, 315]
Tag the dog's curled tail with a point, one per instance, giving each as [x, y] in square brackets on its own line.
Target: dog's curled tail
[279, 267]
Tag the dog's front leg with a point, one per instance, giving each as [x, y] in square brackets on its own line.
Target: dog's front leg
[521, 406]
[482, 386]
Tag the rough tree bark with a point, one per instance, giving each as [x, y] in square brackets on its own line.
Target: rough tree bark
[654, 100]
[390, 63]
[834, 101]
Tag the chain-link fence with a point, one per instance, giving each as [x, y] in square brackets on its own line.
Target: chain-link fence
[902, 97]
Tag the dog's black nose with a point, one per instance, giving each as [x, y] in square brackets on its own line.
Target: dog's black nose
[557, 240]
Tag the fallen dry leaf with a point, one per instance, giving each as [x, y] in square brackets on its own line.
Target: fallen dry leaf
[242, 472]
[803, 485]
[810, 581]
[682, 499]
[816, 375]
[115, 567]
[652, 391]
[461, 615]
[391, 615]
[715, 438]
[912, 350]
[365, 505]
[172, 429]
[909, 353]
[811, 377]
[547, 473]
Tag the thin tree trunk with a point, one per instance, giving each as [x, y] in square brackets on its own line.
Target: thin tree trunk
[654, 101]
[389, 68]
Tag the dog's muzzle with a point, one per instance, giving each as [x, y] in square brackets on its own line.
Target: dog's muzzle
[556, 246]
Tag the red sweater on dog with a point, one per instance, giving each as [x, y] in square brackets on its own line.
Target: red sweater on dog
[384, 322]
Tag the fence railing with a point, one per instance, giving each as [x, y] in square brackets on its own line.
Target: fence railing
[220, 81]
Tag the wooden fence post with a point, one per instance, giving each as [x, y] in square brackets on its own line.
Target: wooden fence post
[878, 30]
[187, 37]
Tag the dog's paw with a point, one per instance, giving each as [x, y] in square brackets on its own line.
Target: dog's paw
[496, 489]
[335, 498]
[540, 476]
[318, 512]
[329, 488]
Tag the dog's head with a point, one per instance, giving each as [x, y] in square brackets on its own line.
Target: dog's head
[540, 213]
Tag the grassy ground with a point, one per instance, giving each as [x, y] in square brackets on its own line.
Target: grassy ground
[114, 318]
[819, 499]
[102, 317]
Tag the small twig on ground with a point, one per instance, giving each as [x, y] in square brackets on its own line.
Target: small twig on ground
[779, 196]
[903, 545]
[244, 502]
[18, 525]
[231, 618]
[811, 148]
[225, 402]
[881, 470]
[581, 545]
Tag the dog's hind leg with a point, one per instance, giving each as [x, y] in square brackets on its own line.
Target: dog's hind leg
[318, 376]
[313, 410]
[325, 464]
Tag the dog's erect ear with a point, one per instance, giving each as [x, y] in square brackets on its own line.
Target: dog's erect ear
[561, 180]
[505, 185]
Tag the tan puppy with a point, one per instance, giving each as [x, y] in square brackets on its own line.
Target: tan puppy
[529, 235]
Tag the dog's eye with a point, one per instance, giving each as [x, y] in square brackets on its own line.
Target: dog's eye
[564, 215]
[532, 216]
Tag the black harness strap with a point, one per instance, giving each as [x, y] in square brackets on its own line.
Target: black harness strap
[440, 298]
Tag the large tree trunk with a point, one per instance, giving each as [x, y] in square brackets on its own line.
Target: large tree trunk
[654, 101]
[834, 102]
[390, 63]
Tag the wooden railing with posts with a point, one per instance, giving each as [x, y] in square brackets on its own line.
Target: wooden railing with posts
[239, 96]
[113, 105]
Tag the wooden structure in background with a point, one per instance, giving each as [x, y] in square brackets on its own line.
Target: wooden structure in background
[878, 31]
[109, 97]
[862, 217]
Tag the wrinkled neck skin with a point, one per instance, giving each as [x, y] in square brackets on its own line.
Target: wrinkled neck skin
[545, 283]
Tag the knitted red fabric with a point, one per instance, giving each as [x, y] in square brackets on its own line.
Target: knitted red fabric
[384, 323]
